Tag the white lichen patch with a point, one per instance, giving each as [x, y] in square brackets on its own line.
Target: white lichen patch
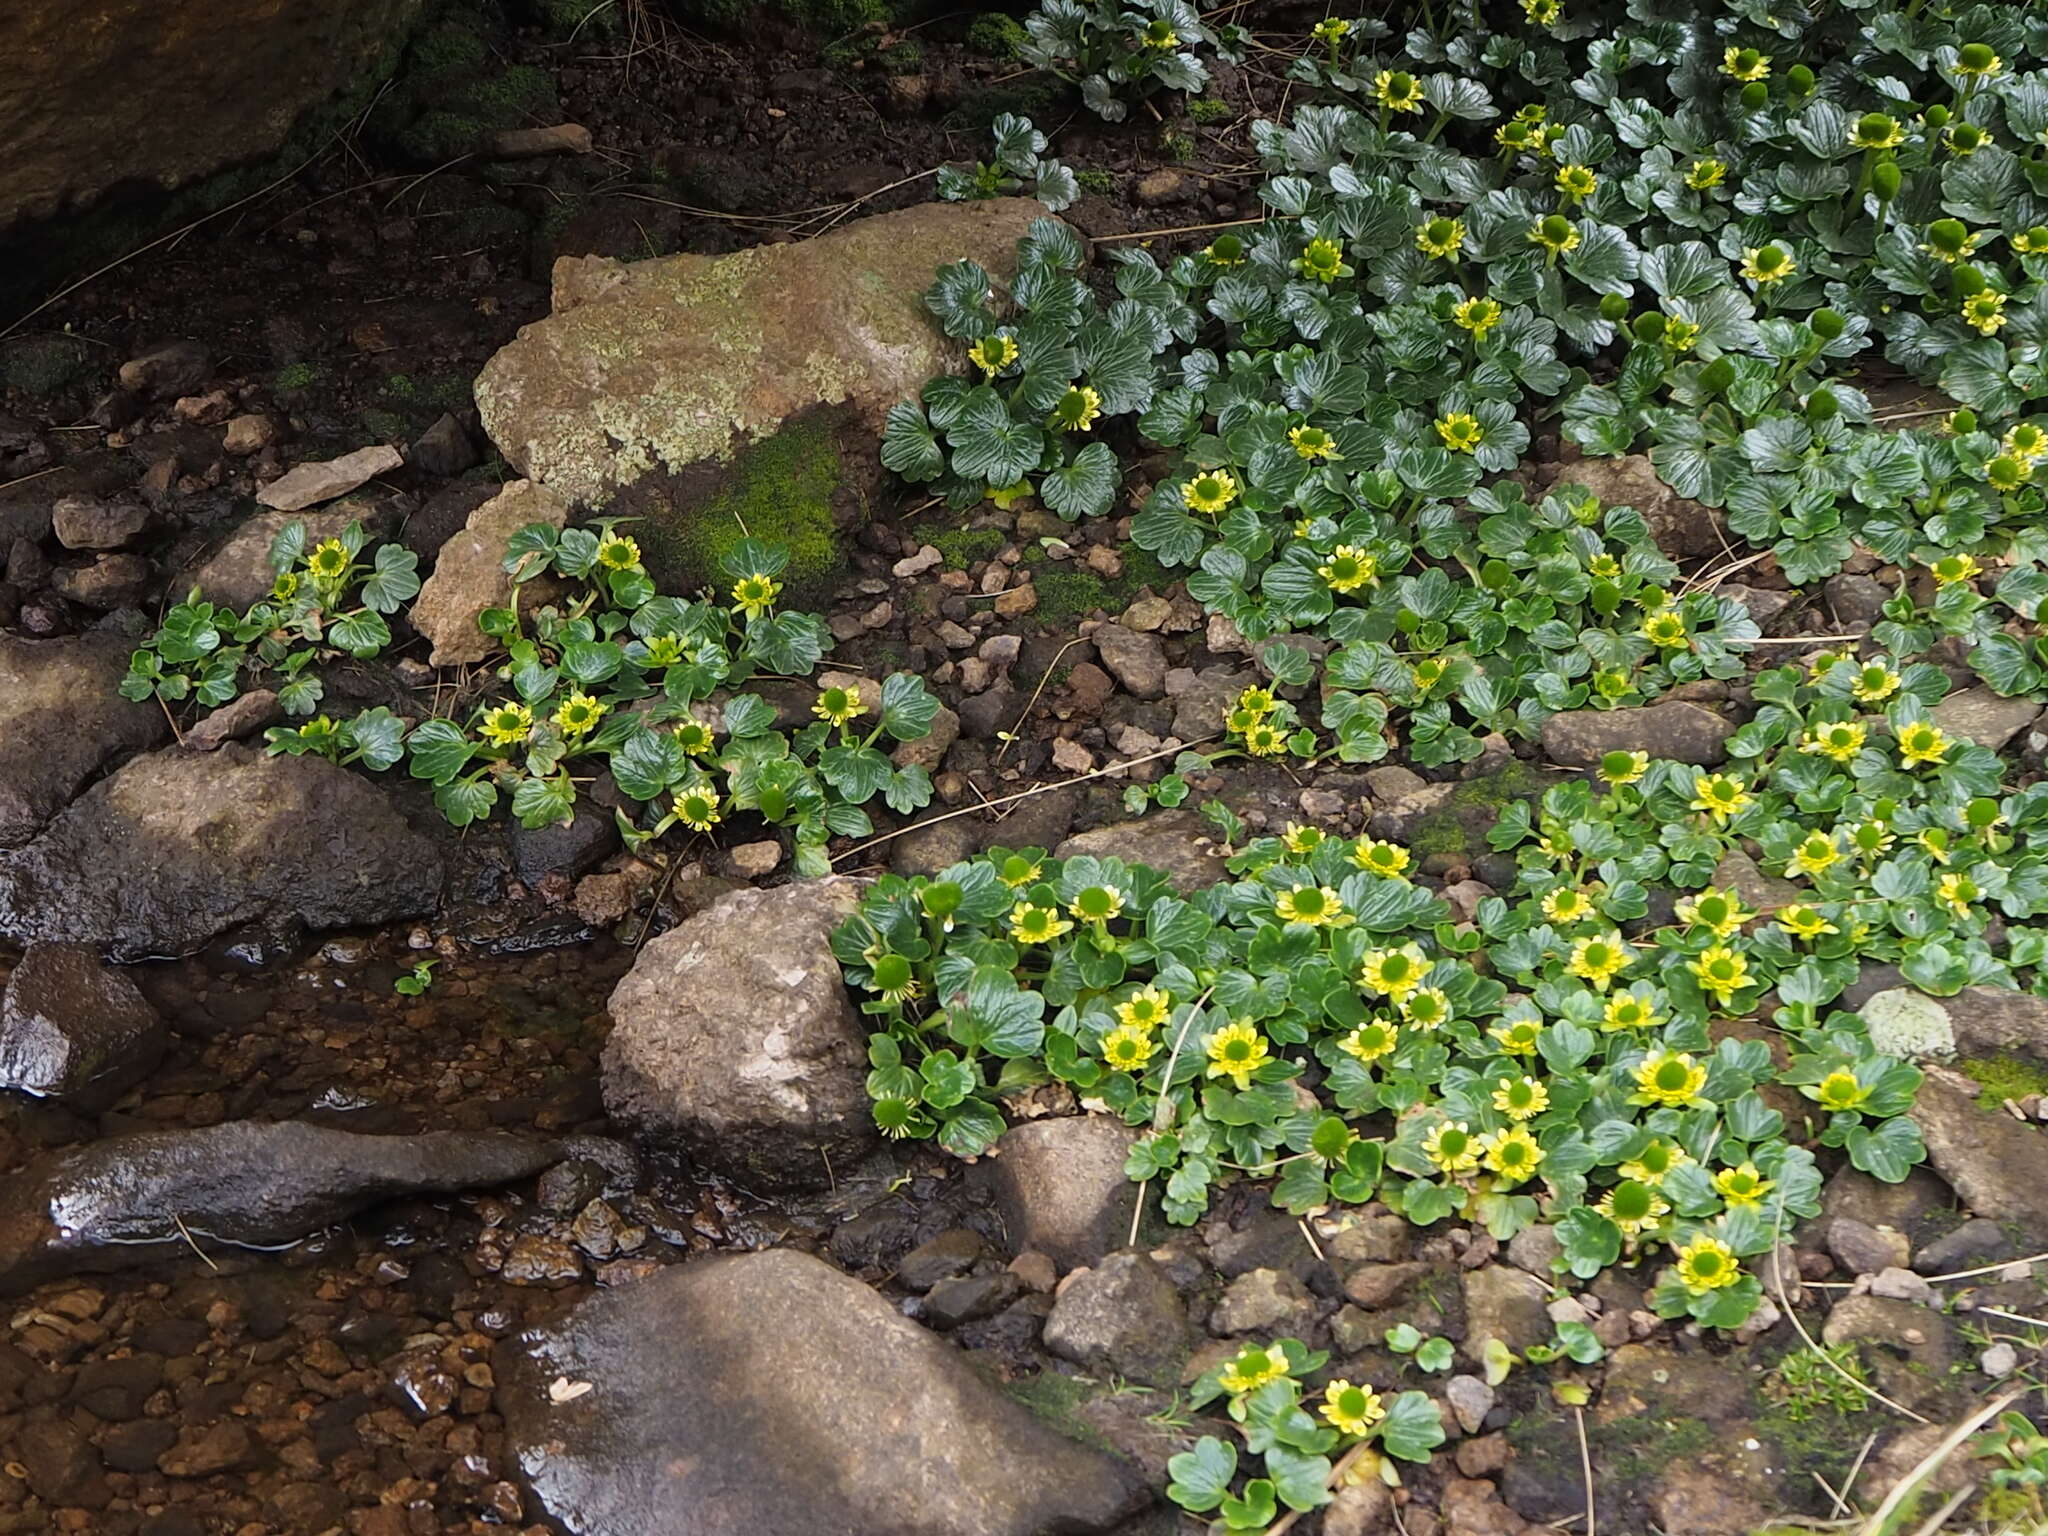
[1906, 1023]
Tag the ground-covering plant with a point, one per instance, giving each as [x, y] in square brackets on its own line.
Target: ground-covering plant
[1117, 51]
[1019, 165]
[610, 675]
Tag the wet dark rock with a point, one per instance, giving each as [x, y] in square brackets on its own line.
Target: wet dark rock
[166, 372]
[1137, 660]
[1683, 529]
[1674, 729]
[1985, 717]
[237, 720]
[177, 847]
[569, 1186]
[1175, 841]
[59, 1464]
[135, 1447]
[109, 582]
[62, 722]
[1264, 1301]
[223, 1447]
[444, 449]
[538, 1260]
[733, 1035]
[116, 1389]
[984, 715]
[72, 1029]
[969, 1298]
[135, 1199]
[1855, 600]
[1124, 1316]
[422, 1388]
[576, 849]
[950, 1254]
[1061, 1188]
[743, 1394]
[1862, 1249]
[1506, 1304]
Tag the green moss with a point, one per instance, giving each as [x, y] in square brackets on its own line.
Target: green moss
[1209, 110]
[779, 490]
[2003, 1077]
[1037, 97]
[1460, 825]
[961, 547]
[1058, 1400]
[904, 59]
[42, 364]
[997, 35]
[581, 19]
[1069, 592]
[1638, 1446]
[293, 378]
[1099, 182]
[824, 18]
[383, 426]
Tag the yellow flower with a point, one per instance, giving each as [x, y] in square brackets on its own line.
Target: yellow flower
[1313, 443]
[895, 980]
[1957, 892]
[1252, 1368]
[503, 725]
[1840, 741]
[2006, 473]
[1397, 91]
[1745, 64]
[1351, 1410]
[1704, 175]
[1452, 1147]
[837, 705]
[1542, 13]
[1348, 569]
[1145, 1009]
[1097, 904]
[1619, 768]
[1870, 839]
[992, 354]
[1512, 1154]
[1426, 1008]
[1225, 251]
[1804, 923]
[1520, 1098]
[616, 552]
[1951, 569]
[1949, 240]
[1566, 905]
[1719, 912]
[2026, 440]
[1721, 971]
[1076, 410]
[1159, 34]
[1236, 1051]
[1296, 838]
[1460, 431]
[1976, 61]
[1018, 870]
[1576, 181]
[1681, 335]
[697, 809]
[1323, 261]
[1330, 29]
[1265, 740]
[1657, 1159]
[1393, 972]
[1316, 905]
[1921, 742]
[1768, 264]
[1370, 1041]
[1033, 924]
[1209, 492]
[1599, 959]
[1665, 629]
[1670, 1077]
[1816, 854]
[1388, 860]
[1839, 1090]
[329, 561]
[1126, 1049]
[1555, 233]
[1477, 316]
[1874, 683]
[1625, 1010]
[1719, 796]
[1440, 237]
[1633, 1206]
[578, 715]
[1707, 1264]
[754, 595]
[1876, 130]
[1742, 1185]
[1985, 310]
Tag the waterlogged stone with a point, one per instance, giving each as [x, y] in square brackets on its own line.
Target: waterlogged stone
[72, 1029]
[768, 1393]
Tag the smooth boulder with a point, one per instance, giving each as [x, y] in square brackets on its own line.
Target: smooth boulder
[733, 1035]
[114, 1204]
[71, 1029]
[62, 720]
[767, 1394]
[178, 847]
[1061, 1188]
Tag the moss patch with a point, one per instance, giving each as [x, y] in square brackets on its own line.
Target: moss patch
[778, 490]
[997, 35]
[1069, 591]
[961, 547]
[1460, 825]
[41, 365]
[1058, 1400]
[2003, 1077]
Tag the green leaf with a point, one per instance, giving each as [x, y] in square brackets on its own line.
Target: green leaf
[908, 707]
[1588, 1240]
[394, 581]
[361, 634]
[1412, 1428]
[378, 738]
[1202, 1476]
[971, 1129]
[1436, 1355]
[545, 801]
[909, 446]
[1889, 1152]
[466, 800]
[439, 750]
[1302, 1482]
[857, 772]
[1007, 1020]
[1086, 487]
[991, 446]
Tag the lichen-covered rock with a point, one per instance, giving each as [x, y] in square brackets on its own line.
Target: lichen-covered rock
[470, 576]
[1673, 729]
[656, 365]
[178, 847]
[61, 722]
[733, 1035]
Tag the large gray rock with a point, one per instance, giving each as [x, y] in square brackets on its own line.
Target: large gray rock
[734, 1035]
[1123, 1317]
[135, 1199]
[1175, 841]
[137, 91]
[1988, 1158]
[654, 366]
[1683, 529]
[470, 576]
[179, 847]
[1506, 1304]
[61, 722]
[1674, 729]
[72, 1029]
[1061, 1187]
[767, 1394]
[1985, 717]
